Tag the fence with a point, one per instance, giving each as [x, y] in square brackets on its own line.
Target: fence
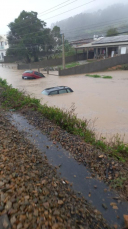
[95, 66]
[55, 62]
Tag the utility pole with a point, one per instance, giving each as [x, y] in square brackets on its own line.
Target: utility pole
[63, 52]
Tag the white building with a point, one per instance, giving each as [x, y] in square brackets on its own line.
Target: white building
[3, 47]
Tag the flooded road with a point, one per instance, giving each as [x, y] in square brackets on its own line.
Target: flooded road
[103, 101]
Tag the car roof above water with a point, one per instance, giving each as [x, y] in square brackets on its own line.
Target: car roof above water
[56, 88]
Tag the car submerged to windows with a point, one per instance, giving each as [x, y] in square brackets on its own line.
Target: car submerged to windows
[57, 90]
[29, 74]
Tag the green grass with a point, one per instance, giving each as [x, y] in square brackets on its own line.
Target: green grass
[107, 77]
[98, 76]
[118, 182]
[94, 76]
[13, 99]
[71, 65]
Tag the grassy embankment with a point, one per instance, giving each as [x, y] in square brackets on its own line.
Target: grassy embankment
[11, 98]
[98, 76]
[70, 65]
[118, 67]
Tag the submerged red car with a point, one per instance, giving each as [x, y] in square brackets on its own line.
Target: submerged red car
[29, 74]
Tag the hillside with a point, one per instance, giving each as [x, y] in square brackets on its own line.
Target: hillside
[85, 25]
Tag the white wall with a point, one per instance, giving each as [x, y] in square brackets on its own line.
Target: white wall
[122, 49]
[3, 47]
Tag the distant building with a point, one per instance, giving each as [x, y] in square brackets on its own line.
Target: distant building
[77, 43]
[3, 47]
[104, 47]
[96, 37]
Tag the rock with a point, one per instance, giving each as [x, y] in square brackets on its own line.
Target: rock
[95, 186]
[35, 212]
[126, 221]
[101, 156]
[1, 208]
[1, 184]
[56, 212]
[8, 205]
[19, 226]
[104, 206]
[22, 218]
[55, 226]
[60, 202]
[46, 205]
[4, 222]
[115, 207]
[13, 219]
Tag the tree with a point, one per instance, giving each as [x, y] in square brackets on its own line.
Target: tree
[57, 35]
[112, 32]
[28, 36]
[56, 31]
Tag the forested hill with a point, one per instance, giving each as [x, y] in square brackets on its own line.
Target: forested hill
[85, 25]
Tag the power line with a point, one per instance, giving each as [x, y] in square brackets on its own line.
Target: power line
[41, 13]
[53, 7]
[61, 7]
[58, 14]
[47, 13]
[71, 9]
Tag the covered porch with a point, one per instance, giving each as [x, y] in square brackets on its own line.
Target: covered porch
[98, 52]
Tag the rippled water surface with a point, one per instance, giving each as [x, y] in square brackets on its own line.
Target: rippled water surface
[103, 101]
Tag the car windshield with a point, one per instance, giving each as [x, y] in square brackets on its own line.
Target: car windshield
[40, 74]
[44, 92]
[28, 71]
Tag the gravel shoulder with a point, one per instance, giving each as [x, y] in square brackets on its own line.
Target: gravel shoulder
[32, 195]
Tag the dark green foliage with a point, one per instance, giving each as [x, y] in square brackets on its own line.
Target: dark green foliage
[124, 67]
[15, 99]
[112, 32]
[3, 82]
[28, 36]
[56, 32]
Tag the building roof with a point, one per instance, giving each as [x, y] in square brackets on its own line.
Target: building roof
[83, 41]
[114, 39]
[106, 42]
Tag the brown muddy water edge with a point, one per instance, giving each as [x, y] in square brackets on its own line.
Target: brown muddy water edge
[100, 164]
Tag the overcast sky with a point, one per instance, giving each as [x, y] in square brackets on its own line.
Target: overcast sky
[10, 9]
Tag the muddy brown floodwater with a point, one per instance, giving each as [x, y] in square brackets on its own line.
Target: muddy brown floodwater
[103, 101]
